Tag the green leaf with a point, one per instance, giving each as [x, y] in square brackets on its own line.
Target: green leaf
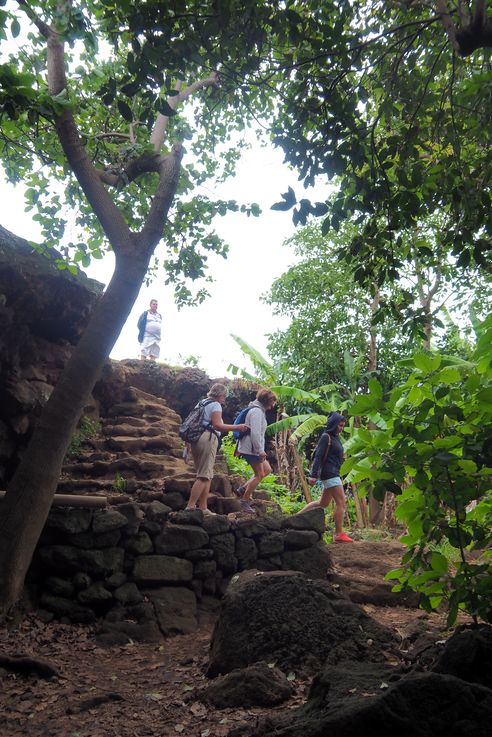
[125, 110]
[165, 108]
[15, 28]
[439, 563]
[427, 362]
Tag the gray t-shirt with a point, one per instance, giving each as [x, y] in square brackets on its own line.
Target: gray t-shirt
[207, 415]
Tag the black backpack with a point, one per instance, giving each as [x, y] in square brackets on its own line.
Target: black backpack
[192, 426]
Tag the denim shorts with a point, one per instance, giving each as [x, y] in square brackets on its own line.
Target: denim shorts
[250, 458]
[330, 483]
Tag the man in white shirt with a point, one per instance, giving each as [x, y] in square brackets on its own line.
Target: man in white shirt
[149, 332]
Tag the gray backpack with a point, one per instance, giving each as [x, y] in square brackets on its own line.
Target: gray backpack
[192, 427]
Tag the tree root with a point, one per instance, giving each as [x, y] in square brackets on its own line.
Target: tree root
[26, 666]
[94, 701]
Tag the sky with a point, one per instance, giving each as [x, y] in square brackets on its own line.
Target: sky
[256, 257]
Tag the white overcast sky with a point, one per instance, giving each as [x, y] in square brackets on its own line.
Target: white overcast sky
[255, 258]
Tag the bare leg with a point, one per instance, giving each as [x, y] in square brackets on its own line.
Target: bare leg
[320, 503]
[338, 496]
[201, 486]
[203, 498]
[260, 470]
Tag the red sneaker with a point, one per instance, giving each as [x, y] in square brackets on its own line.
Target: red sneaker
[342, 538]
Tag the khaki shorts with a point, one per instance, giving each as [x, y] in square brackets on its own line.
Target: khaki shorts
[204, 452]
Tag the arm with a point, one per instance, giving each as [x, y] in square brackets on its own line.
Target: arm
[218, 425]
[320, 456]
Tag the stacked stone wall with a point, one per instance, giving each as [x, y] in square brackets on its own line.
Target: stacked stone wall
[142, 571]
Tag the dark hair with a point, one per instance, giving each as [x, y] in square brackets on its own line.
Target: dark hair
[334, 419]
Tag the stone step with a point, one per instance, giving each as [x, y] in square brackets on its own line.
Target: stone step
[144, 444]
[147, 417]
[127, 420]
[143, 465]
[137, 431]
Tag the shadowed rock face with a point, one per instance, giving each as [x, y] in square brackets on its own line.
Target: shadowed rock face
[429, 705]
[256, 685]
[51, 303]
[43, 311]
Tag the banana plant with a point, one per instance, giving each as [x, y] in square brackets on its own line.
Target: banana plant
[267, 372]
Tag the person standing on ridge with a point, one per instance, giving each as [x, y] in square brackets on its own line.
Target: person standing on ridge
[328, 459]
[149, 332]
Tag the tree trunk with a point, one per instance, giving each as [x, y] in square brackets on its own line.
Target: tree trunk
[300, 471]
[360, 508]
[30, 493]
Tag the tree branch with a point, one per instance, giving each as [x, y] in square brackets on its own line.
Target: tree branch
[134, 169]
[162, 121]
[479, 15]
[106, 211]
[463, 13]
[448, 23]
[42, 27]
[169, 170]
[436, 285]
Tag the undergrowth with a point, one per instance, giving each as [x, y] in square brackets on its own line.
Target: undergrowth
[88, 428]
[290, 502]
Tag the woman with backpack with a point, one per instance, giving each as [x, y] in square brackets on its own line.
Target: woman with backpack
[251, 447]
[328, 459]
[205, 448]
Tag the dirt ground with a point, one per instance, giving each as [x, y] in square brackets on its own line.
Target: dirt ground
[142, 690]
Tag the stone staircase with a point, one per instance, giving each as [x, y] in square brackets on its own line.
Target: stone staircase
[138, 455]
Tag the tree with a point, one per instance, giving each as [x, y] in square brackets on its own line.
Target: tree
[330, 316]
[392, 100]
[91, 101]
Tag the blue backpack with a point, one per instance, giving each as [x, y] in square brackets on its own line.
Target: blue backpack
[240, 419]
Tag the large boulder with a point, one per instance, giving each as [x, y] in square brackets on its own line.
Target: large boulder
[296, 622]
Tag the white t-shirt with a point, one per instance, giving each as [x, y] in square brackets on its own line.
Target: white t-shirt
[207, 415]
[153, 326]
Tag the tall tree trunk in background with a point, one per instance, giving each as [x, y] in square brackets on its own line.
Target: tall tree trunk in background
[300, 471]
[375, 507]
[425, 299]
[372, 358]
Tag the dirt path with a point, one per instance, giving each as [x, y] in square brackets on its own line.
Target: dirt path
[144, 690]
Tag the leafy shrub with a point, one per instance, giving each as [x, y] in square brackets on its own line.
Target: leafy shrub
[88, 428]
[432, 446]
